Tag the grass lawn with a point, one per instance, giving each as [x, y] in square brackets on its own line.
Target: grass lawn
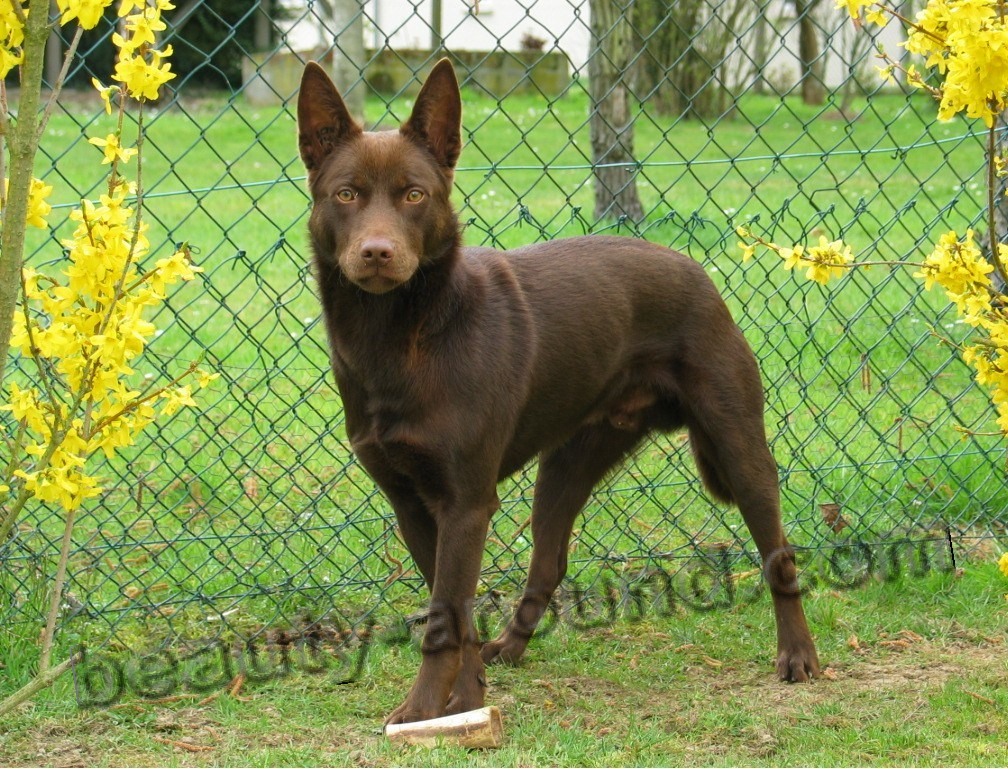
[915, 676]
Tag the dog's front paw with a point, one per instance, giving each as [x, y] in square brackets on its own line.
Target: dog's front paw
[798, 664]
[407, 713]
[466, 697]
[470, 687]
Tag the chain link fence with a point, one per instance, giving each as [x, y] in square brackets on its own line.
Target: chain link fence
[250, 512]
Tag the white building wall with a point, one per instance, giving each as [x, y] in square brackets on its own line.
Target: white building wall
[564, 26]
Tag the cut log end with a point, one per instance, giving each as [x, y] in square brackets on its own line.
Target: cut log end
[474, 729]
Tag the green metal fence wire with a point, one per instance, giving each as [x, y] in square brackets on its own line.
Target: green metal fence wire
[250, 511]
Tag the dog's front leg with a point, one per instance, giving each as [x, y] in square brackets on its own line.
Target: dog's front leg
[451, 674]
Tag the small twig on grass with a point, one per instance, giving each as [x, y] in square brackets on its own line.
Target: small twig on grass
[184, 745]
[231, 689]
[980, 697]
[37, 684]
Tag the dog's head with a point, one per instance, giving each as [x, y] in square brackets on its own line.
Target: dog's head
[381, 208]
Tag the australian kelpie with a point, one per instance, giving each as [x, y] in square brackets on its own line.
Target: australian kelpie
[458, 365]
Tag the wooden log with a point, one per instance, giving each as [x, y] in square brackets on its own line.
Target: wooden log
[474, 729]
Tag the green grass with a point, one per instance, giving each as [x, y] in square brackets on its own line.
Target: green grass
[252, 504]
[915, 677]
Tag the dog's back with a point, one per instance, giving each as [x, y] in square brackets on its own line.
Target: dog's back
[613, 325]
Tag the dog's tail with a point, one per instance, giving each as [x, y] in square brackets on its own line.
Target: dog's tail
[709, 465]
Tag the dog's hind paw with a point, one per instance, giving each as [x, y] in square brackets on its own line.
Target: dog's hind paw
[505, 650]
[798, 665]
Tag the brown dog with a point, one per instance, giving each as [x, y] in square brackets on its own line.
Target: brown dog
[458, 365]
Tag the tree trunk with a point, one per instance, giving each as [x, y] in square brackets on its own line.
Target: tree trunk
[680, 48]
[348, 54]
[809, 54]
[54, 50]
[761, 48]
[263, 35]
[611, 120]
[661, 43]
[999, 216]
[22, 144]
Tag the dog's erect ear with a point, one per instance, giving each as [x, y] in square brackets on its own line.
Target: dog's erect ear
[323, 119]
[436, 121]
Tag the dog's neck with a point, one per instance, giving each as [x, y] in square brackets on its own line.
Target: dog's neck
[362, 324]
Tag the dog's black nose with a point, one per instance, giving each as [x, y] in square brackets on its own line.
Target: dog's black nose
[377, 249]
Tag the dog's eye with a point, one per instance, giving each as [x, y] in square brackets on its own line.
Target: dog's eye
[346, 195]
[414, 196]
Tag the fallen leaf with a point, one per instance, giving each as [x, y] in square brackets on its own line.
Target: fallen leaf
[895, 643]
[251, 487]
[831, 515]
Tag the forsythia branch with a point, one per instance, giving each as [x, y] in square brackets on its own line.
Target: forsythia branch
[966, 42]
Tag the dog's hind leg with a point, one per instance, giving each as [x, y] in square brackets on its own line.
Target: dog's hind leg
[729, 442]
[566, 478]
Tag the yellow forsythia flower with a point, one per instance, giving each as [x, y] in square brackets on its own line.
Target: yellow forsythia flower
[144, 79]
[90, 329]
[11, 38]
[38, 206]
[112, 149]
[141, 68]
[853, 6]
[87, 12]
[175, 398]
[958, 266]
[105, 92]
[966, 41]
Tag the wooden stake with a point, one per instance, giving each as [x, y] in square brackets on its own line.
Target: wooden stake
[473, 729]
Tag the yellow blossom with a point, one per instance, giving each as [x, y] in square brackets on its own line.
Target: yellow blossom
[827, 260]
[143, 79]
[10, 57]
[105, 92]
[966, 41]
[170, 270]
[38, 206]
[886, 73]
[87, 12]
[175, 398]
[126, 7]
[792, 256]
[853, 7]
[876, 16]
[142, 29]
[960, 268]
[87, 329]
[11, 37]
[112, 149]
